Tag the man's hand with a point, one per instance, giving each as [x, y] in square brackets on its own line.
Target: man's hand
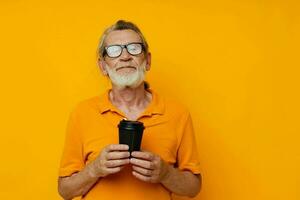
[111, 160]
[149, 167]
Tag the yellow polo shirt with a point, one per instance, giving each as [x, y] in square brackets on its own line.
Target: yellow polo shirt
[93, 124]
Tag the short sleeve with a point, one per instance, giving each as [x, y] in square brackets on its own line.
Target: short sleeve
[187, 154]
[72, 157]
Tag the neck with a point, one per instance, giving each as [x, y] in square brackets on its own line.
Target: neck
[130, 97]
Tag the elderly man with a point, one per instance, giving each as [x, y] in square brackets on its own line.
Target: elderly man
[95, 166]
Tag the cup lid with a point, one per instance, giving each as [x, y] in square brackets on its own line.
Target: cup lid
[128, 124]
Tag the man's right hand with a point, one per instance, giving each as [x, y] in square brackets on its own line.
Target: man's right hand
[111, 160]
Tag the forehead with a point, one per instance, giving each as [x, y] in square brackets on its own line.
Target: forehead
[122, 37]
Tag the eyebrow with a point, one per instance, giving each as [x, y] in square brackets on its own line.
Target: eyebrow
[124, 44]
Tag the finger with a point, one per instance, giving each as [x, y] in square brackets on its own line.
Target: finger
[116, 163]
[117, 147]
[144, 155]
[117, 155]
[141, 177]
[142, 163]
[113, 170]
[142, 171]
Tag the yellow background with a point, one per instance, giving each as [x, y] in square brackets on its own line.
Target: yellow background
[235, 64]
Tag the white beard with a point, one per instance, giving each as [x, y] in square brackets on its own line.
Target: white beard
[131, 80]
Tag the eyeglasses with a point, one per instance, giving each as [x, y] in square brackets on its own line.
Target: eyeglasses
[114, 51]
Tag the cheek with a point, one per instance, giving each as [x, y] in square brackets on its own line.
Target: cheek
[139, 60]
[111, 64]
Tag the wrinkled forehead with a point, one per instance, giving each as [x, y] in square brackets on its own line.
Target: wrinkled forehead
[122, 37]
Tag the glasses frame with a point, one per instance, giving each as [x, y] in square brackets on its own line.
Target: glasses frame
[122, 47]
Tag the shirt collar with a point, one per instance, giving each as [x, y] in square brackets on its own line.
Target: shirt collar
[156, 105]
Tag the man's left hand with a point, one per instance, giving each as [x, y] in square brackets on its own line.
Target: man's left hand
[149, 167]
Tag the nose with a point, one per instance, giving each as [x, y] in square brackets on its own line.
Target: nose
[125, 55]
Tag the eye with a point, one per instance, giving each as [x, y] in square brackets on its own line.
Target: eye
[113, 49]
[134, 48]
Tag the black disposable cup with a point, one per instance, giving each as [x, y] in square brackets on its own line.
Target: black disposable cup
[131, 133]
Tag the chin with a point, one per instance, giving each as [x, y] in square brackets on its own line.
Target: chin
[131, 80]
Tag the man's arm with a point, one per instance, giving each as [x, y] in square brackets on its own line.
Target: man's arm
[111, 160]
[183, 183]
[77, 184]
[149, 167]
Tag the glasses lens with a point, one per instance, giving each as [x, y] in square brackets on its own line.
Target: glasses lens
[114, 51]
[134, 48]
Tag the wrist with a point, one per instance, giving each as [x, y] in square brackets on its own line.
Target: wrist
[168, 171]
[91, 170]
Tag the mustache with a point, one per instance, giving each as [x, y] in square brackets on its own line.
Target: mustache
[129, 65]
[125, 66]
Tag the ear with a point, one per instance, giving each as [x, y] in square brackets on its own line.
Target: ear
[102, 65]
[148, 64]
